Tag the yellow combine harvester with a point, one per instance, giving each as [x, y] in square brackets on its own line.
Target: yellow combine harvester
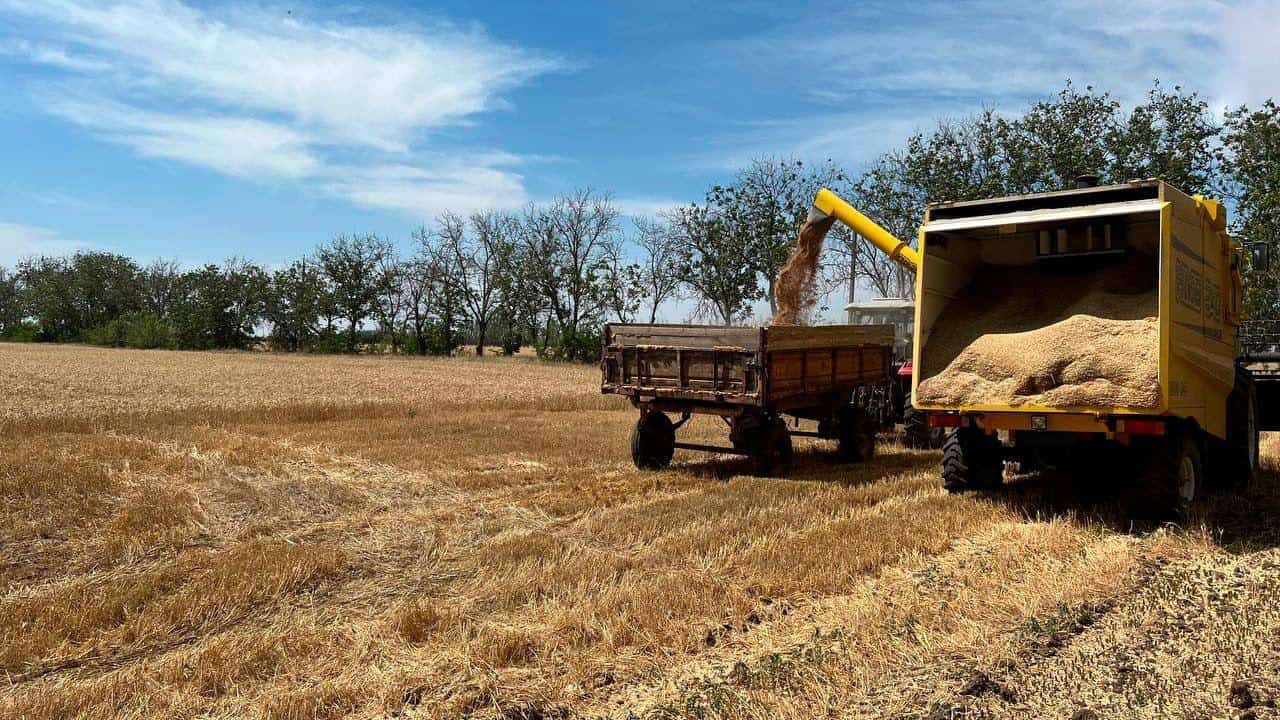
[1201, 410]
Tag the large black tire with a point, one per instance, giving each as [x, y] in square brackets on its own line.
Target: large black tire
[1170, 475]
[653, 441]
[856, 435]
[1240, 465]
[971, 460]
[917, 433]
[771, 456]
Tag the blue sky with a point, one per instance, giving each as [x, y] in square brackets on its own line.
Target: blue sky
[199, 130]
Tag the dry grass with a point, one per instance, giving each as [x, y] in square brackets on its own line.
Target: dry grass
[253, 535]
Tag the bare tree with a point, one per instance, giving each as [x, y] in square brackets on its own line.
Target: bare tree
[416, 283]
[624, 290]
[566, 246]
[475, 262]
[659, 262]
[391, 303]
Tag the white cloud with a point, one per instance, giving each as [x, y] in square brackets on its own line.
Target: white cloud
[22, 241]
[232, 145]
[1250, 68]
[461, 183]
[374, 86]
[887, 70]
[265, 94]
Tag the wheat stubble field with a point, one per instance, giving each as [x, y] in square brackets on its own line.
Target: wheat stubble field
[258, 535]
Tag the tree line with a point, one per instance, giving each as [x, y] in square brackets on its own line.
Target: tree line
[548, 275]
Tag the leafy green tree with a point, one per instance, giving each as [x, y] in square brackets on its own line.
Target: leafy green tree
[159, 287]
[715, 264]
[624, 286]
[1171, 136]
[353, 265]
[294, 303]
[1050, 145]
[764, 208]
[1251, 141]
[220, 306]
[50, 290]
[12, 304]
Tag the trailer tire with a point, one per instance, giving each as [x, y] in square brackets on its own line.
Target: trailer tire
[971, 460]
[653, 441]
[773, 450]
[856, 435]
[916, 431]
[1170, 475]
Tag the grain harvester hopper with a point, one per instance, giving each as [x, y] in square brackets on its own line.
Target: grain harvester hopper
[1097, 321]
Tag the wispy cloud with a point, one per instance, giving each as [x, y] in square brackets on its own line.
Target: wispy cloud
[22, 241]
[1250, 68]
[446, 182]
[888, 69]
[268, 94]
[233, 145]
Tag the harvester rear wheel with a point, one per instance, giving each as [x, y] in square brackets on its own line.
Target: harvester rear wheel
[971, 460]
[653, 441]
[1170, 475]
[856, 435]
[1241, 451]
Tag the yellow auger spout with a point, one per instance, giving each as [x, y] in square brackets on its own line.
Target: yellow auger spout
[828, 204]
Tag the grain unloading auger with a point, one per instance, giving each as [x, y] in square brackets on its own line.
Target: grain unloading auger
[1096, 326]
[827, 206]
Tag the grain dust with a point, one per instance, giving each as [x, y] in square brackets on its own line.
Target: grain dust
[796, 287]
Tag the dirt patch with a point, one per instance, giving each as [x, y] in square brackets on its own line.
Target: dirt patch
[1048, 336]
[795, 289]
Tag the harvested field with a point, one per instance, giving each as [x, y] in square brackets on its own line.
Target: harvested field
[1020, 336]
[254, 535]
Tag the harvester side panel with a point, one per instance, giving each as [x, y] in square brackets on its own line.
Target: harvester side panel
[1201, 346]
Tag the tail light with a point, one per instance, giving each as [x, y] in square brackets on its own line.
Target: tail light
[940, 420]
[1140, 427]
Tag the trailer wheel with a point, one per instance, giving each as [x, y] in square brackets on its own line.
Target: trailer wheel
[856, 435]
[1171, 475]
[772, 456]
[971, 460]
[653, 441]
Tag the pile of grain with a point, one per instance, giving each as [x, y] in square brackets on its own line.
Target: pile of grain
[795, 290]
[1028, 335]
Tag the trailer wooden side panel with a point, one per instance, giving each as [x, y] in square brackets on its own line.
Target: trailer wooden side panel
[783, 366]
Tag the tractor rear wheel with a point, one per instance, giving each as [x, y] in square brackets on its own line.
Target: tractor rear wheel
[917, 433]
[971, 460]
[653, 441]
[856, 435]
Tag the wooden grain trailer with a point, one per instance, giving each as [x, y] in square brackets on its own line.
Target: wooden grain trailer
[751, 377]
